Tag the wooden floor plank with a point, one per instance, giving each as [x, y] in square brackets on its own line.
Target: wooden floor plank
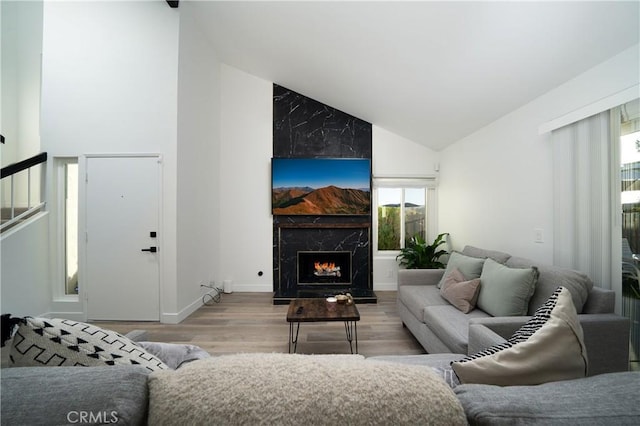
[250, 323]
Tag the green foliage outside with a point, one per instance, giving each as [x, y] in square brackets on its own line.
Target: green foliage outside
[388, 228]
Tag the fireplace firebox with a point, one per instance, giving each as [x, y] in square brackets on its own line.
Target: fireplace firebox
[324, 267]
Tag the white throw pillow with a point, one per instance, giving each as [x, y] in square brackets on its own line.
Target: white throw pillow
[549, 347]
[42, 342]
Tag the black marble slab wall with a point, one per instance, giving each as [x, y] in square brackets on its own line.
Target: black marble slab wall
[303, 127]
[306, 128]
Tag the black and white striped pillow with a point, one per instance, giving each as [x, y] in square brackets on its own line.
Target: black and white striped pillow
[548, 347]
[61, 342]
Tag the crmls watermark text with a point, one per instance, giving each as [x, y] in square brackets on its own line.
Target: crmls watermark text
[102, 417]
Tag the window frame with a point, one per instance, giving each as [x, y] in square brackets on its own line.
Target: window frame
[430, 185]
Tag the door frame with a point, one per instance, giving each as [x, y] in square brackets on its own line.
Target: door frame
[82, 222]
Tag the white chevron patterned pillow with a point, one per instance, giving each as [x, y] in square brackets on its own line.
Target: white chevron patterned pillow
[61, 342]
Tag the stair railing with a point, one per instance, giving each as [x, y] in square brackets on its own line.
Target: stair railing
[9, 172]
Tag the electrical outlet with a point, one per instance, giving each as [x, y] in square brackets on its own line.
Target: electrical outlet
[538, 235]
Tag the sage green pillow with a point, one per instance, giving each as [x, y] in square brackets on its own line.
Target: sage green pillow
[471, 267]
[506, 291]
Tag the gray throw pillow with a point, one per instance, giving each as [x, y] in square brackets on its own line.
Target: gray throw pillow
[506, 291]
[471, 267]
[173, 354]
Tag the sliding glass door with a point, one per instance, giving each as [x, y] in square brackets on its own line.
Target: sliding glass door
[630, 197]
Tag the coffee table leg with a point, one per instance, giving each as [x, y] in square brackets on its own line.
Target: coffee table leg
[293, 341]
[351, 329]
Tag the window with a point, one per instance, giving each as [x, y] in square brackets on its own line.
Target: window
[71, 228]
[404, 208]
[66, 177]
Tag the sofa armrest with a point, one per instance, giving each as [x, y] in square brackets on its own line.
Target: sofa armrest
[419, 276]
[600, 301]
[482, 337]
[606, 337]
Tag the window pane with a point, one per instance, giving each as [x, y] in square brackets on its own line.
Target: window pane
[415, 212]
[389, 200]
[71, 228]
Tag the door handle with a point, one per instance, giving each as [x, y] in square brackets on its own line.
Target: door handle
[151, 249]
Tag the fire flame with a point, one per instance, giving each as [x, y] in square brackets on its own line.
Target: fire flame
[326, 266]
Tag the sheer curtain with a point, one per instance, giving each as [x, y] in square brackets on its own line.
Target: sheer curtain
[583, 166]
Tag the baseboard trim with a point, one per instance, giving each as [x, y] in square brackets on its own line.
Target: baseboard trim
[385, 286]
[178, 317]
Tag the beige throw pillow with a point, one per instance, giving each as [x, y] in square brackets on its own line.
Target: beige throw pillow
[294, 389]
[549, 347]
[460, 292]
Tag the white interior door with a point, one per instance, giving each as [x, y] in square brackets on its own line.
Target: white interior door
[122, 247]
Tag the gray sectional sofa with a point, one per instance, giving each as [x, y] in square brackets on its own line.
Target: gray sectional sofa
[125, 394]
[122, 395]
[442, 328]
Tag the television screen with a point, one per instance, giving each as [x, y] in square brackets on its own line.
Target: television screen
[321, 186]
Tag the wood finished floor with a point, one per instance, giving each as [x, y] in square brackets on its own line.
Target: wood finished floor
[249, 322]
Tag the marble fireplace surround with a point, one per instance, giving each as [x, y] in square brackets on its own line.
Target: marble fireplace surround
[292, 238]
[306, 128]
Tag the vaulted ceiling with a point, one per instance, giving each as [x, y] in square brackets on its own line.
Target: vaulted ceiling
[432, 72]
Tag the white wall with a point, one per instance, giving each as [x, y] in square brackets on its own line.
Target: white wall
[21, 37]
[246, 151]
[198, 213]
[109, 85]
[496, 184]
[25, 269]
[246, 224]
[395, 156]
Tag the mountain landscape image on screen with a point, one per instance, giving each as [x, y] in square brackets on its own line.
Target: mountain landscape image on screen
[328, 200]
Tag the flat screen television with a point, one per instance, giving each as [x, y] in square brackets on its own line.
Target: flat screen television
[320, 186]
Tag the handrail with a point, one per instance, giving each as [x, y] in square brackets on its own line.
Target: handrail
[14, 168]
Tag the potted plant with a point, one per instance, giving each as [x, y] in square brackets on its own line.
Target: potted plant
[419, 255]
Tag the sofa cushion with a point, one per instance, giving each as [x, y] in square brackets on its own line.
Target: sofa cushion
[293, 389]
[61, 395]
[506, 291]
[416, 297]
[451, 326]
[42, 342]
[459, 292]
[606, 399]
[548, 347]
[471, 267]
[550, 277]
[498, 256]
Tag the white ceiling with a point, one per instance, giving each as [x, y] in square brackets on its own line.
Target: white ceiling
[432, 72]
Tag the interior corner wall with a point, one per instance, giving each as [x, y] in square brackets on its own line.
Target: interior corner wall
[198, 185]
[395, 156]
[245, 183]
[109, 86]
[496, 185]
